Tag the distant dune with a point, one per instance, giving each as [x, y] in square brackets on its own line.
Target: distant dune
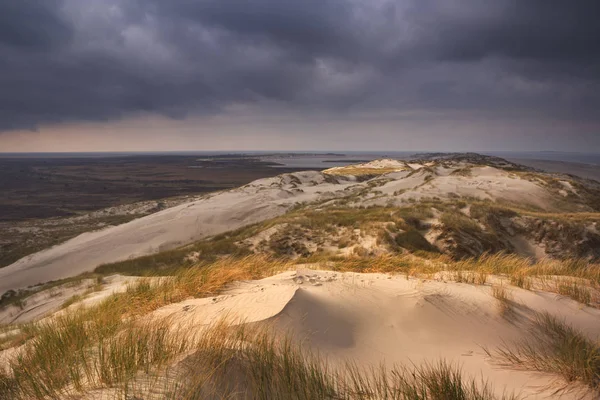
[451, 273]
[587, 171]
[374, 184]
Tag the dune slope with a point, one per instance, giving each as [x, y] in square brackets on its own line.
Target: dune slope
[386, 183]
[176, 226]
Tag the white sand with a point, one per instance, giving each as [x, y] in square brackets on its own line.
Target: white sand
[368, 318]
[377, 318]
[384, 163]
[485, 183]
[221, 212]
[259, 201]
[48, 301]
[247, 302]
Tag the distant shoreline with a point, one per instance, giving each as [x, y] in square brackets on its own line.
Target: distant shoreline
[587, 171]
[353, 156]
[585, 165]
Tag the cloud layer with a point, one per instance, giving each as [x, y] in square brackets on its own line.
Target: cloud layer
[73, 60]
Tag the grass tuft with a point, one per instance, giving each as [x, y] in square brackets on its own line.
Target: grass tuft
[575, 290]
[519, 279]
[504, 299]
[266, 368]
[557, 348]
[109, 345]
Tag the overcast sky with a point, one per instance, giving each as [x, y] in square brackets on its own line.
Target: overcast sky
[96, 75]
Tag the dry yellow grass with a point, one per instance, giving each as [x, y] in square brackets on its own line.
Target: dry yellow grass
[203, 281]
[221, 361]
[555, 347]
[577, 279]
[504, 297]
[109, 344]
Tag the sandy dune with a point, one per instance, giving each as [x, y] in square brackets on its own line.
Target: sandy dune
[377, 318]
[374, 319]
[370, 319]
[47, 302]
[484, 183]
[262, 200]
[214, 214]
[247, 302]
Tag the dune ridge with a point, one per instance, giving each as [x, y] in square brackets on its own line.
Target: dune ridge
[271, 197]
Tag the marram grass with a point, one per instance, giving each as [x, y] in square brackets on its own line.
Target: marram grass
[223, 362]
[557, 348]
[112, 344]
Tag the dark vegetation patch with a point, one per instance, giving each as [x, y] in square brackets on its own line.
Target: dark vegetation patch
[458, 222]
[40, 195]
[590, 193]
[412, 240]
[288, 242]
[51, 187]
[563, 235]
[25, 239]
[399, 227]
[342, 217]
[463, 237]
[465, 171]
[564, 239]
[303, 224]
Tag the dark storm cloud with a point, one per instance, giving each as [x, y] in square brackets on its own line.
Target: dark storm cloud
[73, 60]
[550, 30]
[31, 24]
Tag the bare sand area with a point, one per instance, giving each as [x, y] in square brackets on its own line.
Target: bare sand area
[377, 318]
[374, 319]
[396, 184]
[176, 226]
